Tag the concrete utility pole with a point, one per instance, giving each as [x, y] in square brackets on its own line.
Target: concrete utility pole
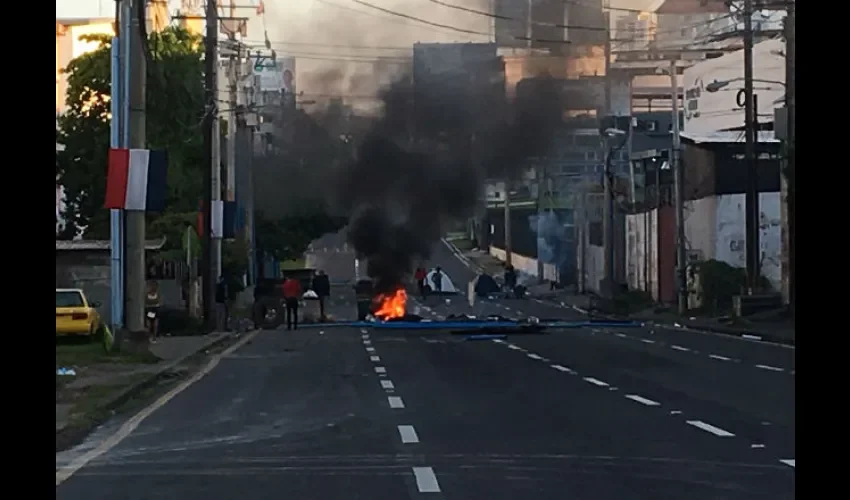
[790, 140]
[679, 190]
[210, 159]
[542, 187]
[135, 220]
[232, 78]
[608, 207]
[752, 193]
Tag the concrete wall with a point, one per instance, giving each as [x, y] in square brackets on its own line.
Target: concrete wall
[715, 228]
[642, 252]
[526, 265]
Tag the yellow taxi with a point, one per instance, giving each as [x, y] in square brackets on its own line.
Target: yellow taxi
[75, 314]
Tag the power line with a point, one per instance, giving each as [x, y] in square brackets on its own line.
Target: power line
[419, 19]
[394, 20]
[507, 18]
[333, 45]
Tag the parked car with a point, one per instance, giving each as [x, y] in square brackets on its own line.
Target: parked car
[75, 314]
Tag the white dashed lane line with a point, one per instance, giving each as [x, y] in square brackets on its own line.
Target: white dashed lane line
[564, 369]
[534, 356]
[426, 480]
[642, 400]
[770, 368]
[408, 434]
[717, 431]
[375, 359]
[791, 462]
[387, 384]
[380, 369]
[679, 348]
[719, 358]
[370, 349]
[395, 402]
[596, 381]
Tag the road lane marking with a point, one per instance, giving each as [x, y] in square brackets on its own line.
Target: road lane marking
[621, 335]
[561, 368]
[380, 369]
[679, 348]
[717, 431]
[721, 358]
[751, 337]
[426, 480]
[756, 445]
[792, 462]
[675, 412]
[770, 368]
[63, 473]
[408, 434]
[642, 400]
[515, 348]
[376, 359]
[647, 341]
[363, 330]
[367, 342]
[365, 336]
[387, 384]
[596, 381]
[499, 341]
[370, 349]
[395, 402]
[534, 356]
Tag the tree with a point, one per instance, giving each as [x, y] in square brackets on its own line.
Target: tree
[288, 237]
[175, 108]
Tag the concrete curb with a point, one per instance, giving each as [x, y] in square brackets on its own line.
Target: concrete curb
[67, 437]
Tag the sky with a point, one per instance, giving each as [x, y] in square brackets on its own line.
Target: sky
[104, 8]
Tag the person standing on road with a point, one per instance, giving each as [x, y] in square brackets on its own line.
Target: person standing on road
[291, 295]
[437, 279]
[322, 287]
[420, 276]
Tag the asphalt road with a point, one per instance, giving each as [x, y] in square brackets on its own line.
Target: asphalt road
[344, 413]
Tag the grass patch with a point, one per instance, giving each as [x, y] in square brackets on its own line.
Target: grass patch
[70, 354]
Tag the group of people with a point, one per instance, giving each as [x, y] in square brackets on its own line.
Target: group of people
[422, 281]
[292, 293]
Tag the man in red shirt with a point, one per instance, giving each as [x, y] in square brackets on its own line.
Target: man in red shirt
[291, 294]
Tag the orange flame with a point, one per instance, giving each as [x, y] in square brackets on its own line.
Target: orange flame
[391, 305]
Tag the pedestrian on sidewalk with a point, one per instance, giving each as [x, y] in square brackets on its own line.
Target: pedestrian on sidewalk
[291, 296]
[153, 302]
[322, 287]
[221, 310]
[510, 279]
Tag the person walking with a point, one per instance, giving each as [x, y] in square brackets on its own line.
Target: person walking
[322, 287]
[291, 295]
[153, 302]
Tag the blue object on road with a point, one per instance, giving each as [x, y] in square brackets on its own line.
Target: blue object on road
[485, 337]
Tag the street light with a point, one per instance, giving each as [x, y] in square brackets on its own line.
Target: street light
[717, 85]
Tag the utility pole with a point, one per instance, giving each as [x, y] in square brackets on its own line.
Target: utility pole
[541, 190]
[135, 219]
[679, 189]
[507, 220]
[791, 149]
[233, 61]
[210, 132]
[529, 22]
[608, 208]
[752, 193]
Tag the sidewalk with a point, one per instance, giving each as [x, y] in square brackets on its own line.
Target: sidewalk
[778, 331]
[107, 382]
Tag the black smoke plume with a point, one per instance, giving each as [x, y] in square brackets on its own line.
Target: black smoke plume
[423, 166]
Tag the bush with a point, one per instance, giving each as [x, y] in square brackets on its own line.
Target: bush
[720, 282]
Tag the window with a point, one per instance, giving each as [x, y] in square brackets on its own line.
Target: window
[69, 299]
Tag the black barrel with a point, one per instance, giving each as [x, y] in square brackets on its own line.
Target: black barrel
[364, 291]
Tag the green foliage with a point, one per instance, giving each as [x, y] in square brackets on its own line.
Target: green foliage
[288, 238]
[175, 108]
[720, 282]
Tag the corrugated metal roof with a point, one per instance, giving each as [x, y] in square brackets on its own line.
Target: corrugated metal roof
[727, 136]
[65, 245]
